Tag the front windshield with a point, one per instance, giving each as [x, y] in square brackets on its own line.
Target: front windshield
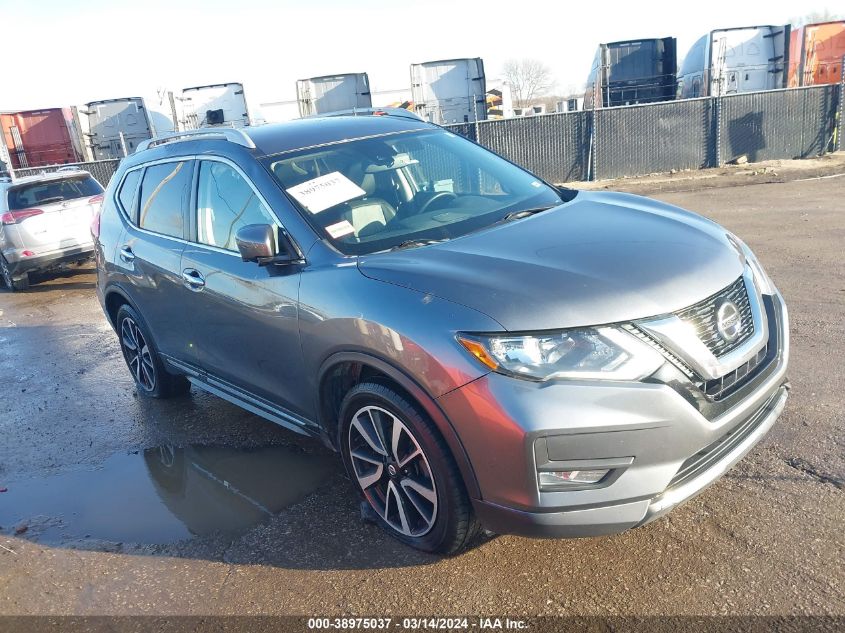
[378, 193]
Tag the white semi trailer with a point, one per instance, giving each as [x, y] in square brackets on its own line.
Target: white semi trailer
[450, 90]
[333, 93]
[214, 105]
[730, 61]
[115, 127]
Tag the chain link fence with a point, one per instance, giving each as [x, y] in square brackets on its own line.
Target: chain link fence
[840, 123]
[795, 123]
[675, 135]
[101, 170]
[659, 137]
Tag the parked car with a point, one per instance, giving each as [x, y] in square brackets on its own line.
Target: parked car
[483, 349]
[45, 221]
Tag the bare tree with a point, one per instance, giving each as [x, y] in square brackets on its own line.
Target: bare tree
[528, 79]
[826, 15]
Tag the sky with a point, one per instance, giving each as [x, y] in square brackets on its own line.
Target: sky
[69, 52]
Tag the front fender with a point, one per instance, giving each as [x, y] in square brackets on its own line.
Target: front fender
[408, 384]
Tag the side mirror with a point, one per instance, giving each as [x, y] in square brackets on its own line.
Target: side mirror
[258, 243]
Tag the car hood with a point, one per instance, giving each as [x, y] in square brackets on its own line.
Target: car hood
[600, 258]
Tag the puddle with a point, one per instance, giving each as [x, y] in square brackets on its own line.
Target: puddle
[162, 495]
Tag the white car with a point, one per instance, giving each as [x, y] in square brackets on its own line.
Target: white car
[45, 221]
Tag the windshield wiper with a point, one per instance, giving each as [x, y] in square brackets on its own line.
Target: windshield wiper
[524, 213]
[413, 244]
[51, 200]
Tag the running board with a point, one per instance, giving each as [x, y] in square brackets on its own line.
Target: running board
[251, 403]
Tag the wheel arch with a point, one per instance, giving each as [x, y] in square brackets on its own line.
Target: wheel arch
[113, 298]
[343, 370]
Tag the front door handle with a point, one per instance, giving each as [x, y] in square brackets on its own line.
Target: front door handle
[193, 278]
[126, 254]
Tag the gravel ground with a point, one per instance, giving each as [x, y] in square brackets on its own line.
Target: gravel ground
[767, 539]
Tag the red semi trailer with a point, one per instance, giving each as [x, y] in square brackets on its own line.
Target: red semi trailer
[40, 137]
[815, 54]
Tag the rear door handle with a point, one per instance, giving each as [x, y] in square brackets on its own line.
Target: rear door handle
[126, 254]
[193, 278]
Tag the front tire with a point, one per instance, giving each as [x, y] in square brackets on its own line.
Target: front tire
[404, 470]
[142, 359]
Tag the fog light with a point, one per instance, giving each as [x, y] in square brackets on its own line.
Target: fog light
[565, 478]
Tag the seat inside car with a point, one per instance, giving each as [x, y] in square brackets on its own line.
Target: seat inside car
[369, 214]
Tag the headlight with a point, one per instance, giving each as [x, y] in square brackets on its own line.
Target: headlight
[764, 283]
[590, 353]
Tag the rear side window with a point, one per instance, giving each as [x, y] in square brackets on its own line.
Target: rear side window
[164, 191]
[128, 194]
[52, 191]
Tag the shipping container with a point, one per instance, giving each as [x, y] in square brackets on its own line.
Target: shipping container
[633, 71]
[213, 105]
[333, 93]
[815, 54]
[116, 127]
[730, 61]
[449, 91]
[40, 137]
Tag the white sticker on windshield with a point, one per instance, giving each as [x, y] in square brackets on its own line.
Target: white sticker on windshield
[326, 191]
[536, 183]
[339, 229]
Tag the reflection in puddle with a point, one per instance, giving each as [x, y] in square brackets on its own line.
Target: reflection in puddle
[163, 494]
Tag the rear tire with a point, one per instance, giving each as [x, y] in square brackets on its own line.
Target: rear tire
[404, 470]
[19, 284]
[142, 358]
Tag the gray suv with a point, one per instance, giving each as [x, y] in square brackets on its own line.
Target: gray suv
[482, 348]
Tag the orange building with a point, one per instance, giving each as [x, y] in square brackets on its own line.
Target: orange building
[815, 54]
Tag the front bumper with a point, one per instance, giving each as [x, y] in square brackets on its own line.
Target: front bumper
[662, 450]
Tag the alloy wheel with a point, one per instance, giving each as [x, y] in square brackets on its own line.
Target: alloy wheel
[138, 354]
[392, 471]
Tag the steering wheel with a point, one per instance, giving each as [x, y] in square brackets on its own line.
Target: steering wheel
[440, 195]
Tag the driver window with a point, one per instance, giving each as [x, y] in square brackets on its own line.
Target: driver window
[225, 203]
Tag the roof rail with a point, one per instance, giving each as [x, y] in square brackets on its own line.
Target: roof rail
[397, 112]
[233, 135]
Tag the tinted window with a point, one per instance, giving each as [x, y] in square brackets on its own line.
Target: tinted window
[128, 193]
[225, 203]
[164, 189]
[53, 191]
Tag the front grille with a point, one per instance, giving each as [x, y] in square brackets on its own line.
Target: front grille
[702, 317]
[709, 455]
[724, 386]
[655, 344]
